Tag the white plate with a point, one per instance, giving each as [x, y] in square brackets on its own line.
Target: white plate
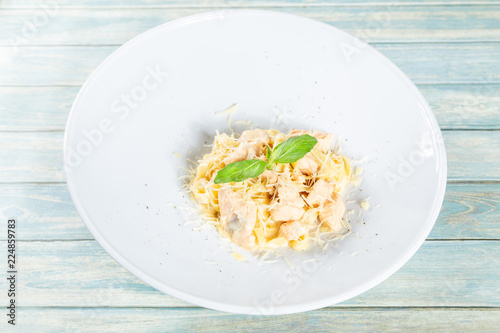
[282, 70]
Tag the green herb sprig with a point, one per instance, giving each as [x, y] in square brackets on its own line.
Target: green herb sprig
[288, 151]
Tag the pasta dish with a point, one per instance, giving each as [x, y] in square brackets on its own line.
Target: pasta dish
[287, 204]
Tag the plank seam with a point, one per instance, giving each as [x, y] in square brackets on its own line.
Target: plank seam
[372, 43]
[447, 129]
[419, 84]
[275, 5]
[93, 240]
[416, 82]
[61, 183]
[56, 130]
[329, 308]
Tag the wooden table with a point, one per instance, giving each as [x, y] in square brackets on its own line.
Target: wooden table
[68, 283]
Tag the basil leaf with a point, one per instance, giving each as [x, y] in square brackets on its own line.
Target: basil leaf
[268, 152]
[239, 171]
[293, 149]
[268, 155]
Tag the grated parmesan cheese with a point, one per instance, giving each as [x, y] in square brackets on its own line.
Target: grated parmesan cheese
[229, 110]
[365, 204]
[238, 256]
[288, 262]
[358, 171]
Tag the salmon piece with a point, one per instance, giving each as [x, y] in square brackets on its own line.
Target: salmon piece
[297, 132]
[245, 151]
[332, 212]
[252, 145]
[270, 177]
[307, 166]
[290, 205]
[320, 192]
[293, 230]
[257, 135]
[238, 217]
[290, 196]
[298, 176]
[324, 139]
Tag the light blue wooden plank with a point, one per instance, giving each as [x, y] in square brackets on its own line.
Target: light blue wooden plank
[46, 212]
[201, 320]
[228, 3]
[460, 106]
[37, 157]
[446, 63]
[35, 66]
[473, 155]
[470, 211]
[456, 106]
[43, 212]
[423, 63]
[372, 24]
[442, 273]
[35, 108]
[31, 157]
